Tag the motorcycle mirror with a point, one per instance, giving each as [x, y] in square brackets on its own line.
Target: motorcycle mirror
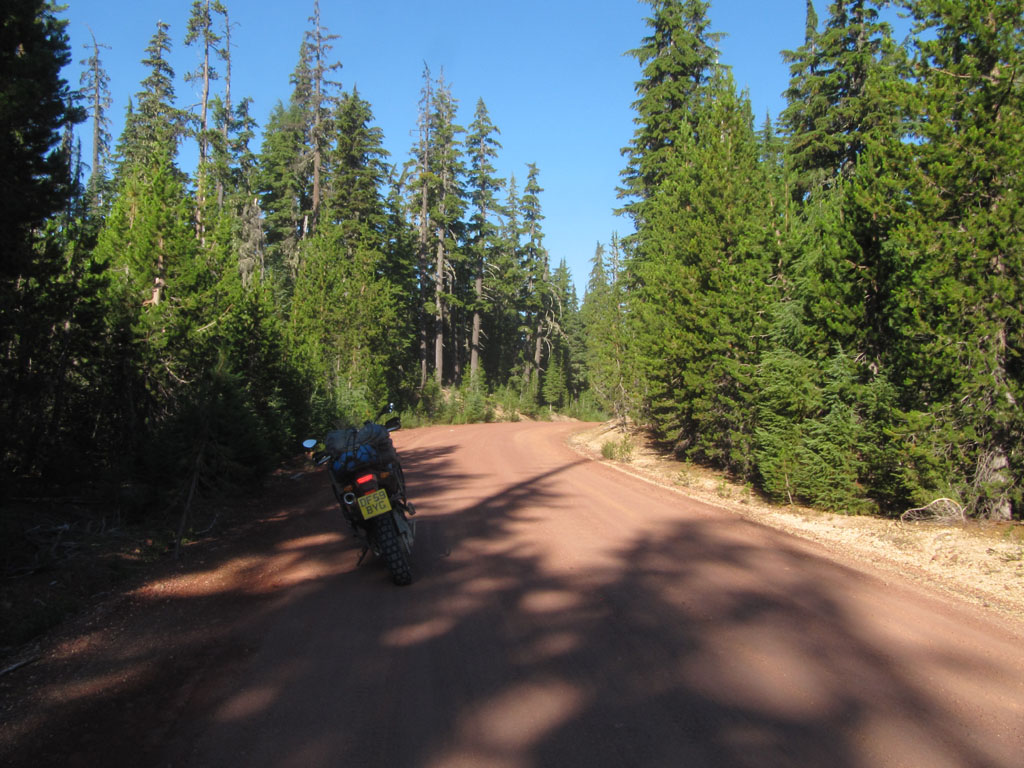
[309, 445]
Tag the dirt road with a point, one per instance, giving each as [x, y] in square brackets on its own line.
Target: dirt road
[563, 614]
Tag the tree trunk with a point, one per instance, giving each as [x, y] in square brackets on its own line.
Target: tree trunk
[439, 309]
[421, 253]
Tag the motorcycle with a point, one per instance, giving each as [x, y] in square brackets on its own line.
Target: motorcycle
[368, 483]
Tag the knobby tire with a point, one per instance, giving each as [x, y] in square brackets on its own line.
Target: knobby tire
[391, 550]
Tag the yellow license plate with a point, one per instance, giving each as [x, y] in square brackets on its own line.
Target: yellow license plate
[373, 504]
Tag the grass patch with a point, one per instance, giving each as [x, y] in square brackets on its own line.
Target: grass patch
[618, 450]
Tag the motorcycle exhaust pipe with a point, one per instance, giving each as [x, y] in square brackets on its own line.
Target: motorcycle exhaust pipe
[349, 498]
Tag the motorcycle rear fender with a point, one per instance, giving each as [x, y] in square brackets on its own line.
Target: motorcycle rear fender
[406, 529]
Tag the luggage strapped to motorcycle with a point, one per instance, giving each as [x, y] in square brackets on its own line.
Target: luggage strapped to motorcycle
[369, 446]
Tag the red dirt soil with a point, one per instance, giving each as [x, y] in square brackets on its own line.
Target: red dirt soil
[562, 613]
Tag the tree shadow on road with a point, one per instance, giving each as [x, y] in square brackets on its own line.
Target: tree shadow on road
[690, 644]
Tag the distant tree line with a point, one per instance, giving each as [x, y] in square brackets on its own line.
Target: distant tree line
[829, 307]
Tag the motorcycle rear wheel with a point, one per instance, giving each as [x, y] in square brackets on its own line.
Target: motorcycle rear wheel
[390, 547]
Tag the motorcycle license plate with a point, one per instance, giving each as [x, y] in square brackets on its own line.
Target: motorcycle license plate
[373, 504]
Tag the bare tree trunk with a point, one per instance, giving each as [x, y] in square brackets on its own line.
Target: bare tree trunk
[158, 279]
[474, 344]
[422, 258]
[439, 309]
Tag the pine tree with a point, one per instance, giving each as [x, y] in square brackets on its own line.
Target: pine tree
[676, 58]
[95, 84]
[233, 127]
[344, 324]
[423, 161]
[537, 303]
[957, 252]
[504, 294]
[149, 244]
[608, 348]
[699, 274]
[353, 200]
[36, 105]
[836, 98]
[40, 322]
[446, 205]
[482, 230]
[831, 322]
[200, 31]
[321, 100]
[156, 125]
[284, 191]
[772, 160]
[565, 358]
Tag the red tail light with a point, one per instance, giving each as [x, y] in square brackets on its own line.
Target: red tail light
[364, 479]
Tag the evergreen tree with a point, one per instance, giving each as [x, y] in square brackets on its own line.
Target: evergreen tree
[503, 350]
[284, 191]
[36, 104]
[319, 101]
[353, 198]
[537, 302]
[836, 96]
[699, 273]
[608, 348]
[344, 324]
[149, 244]
[446, 201]
[482, 230]
[675, 58]
[832, 322]
[39, 318]
[156, 125]
[562, 377]
[957, 252]
[200, 32]
[293, 161]
[772, 160]
[423, 160]
[95, 84]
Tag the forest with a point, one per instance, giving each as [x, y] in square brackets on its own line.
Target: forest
[825, 304]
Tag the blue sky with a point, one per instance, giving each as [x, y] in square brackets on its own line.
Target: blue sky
[553, 73]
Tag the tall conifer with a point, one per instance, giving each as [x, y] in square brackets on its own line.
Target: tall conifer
[957, 253]
[482, 185]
